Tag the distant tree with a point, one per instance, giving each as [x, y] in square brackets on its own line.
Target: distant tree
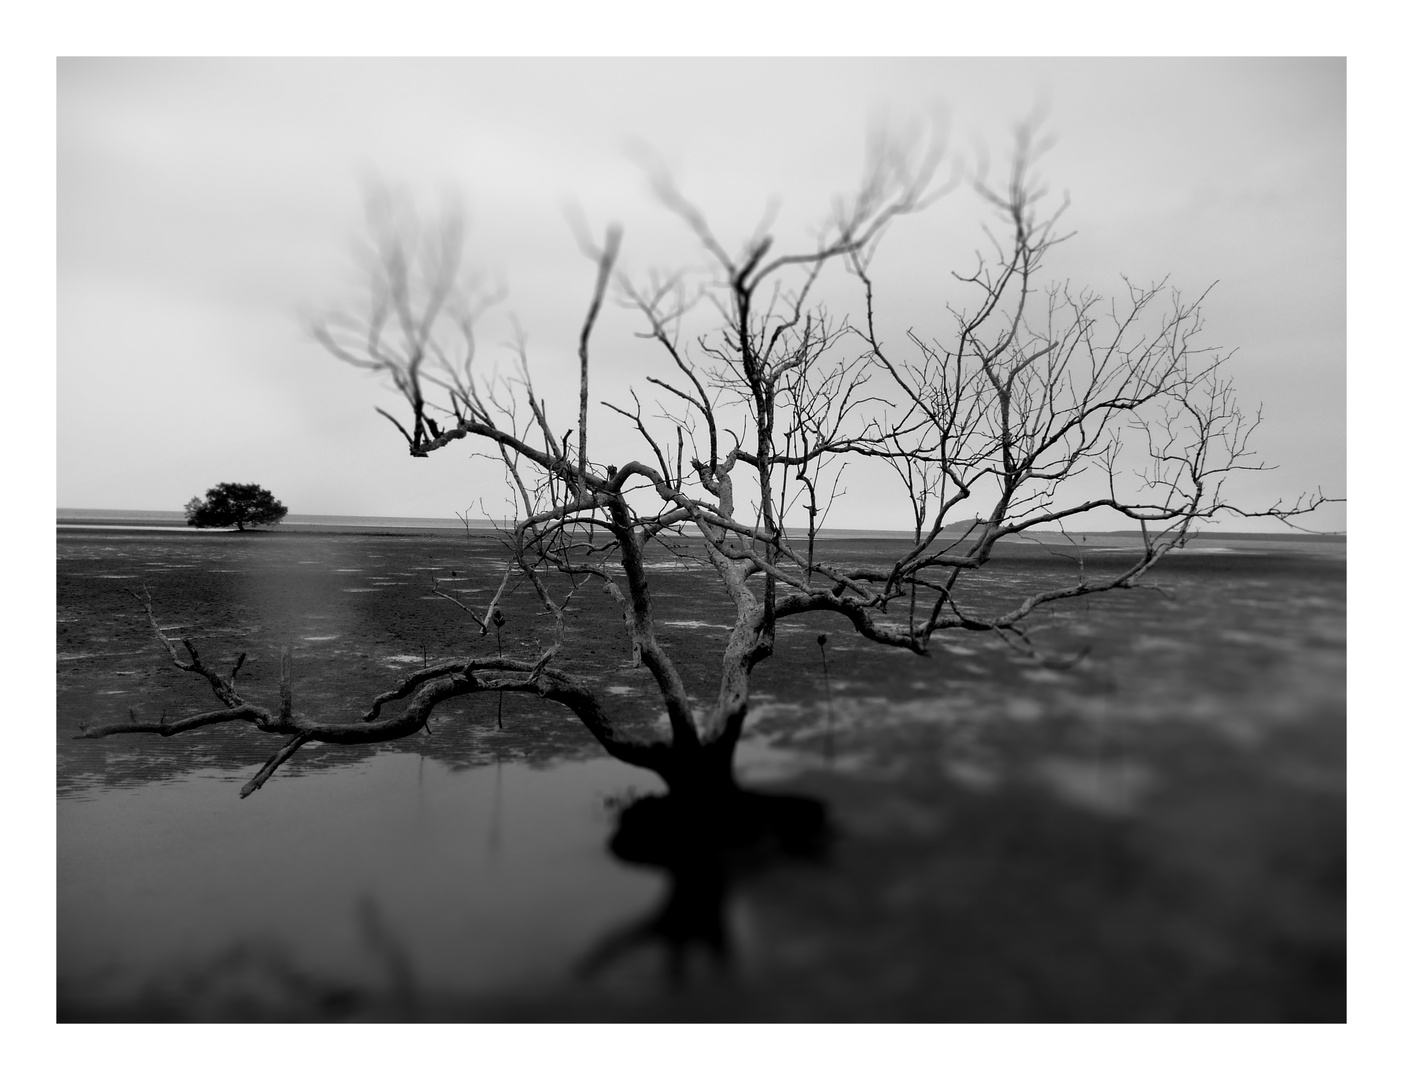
[1037, 405]
[234, 504]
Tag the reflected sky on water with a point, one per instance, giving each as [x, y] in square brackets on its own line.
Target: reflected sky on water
[486, 877]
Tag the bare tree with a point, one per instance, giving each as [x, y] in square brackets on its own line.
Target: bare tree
[1038, 393]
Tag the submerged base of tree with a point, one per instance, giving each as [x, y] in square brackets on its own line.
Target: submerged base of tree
[704, 845]
[668, 830]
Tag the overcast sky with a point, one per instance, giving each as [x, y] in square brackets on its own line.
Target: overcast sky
[205, 206]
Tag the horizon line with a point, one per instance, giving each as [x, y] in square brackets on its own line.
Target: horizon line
[489, 522]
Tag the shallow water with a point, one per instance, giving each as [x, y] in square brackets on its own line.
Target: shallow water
[488, 878]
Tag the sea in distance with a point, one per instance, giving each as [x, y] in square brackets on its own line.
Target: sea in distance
[174, 521]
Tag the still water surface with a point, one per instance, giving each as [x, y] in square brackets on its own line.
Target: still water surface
[482, 879]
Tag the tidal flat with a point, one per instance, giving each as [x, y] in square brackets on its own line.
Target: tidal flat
[1156, 833]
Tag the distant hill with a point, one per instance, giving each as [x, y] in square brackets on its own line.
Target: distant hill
[953, 530]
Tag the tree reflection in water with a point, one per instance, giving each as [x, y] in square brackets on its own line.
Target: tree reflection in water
[704, 851]
[257, 980]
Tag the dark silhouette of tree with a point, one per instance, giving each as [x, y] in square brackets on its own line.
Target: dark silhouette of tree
[703, 850]
[234, 504]
[1035, 394]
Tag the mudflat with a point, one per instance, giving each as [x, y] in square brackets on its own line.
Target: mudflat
[1155, 833]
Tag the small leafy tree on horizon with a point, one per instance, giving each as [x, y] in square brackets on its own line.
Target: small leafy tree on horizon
[239, 505]
[1038, 404]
